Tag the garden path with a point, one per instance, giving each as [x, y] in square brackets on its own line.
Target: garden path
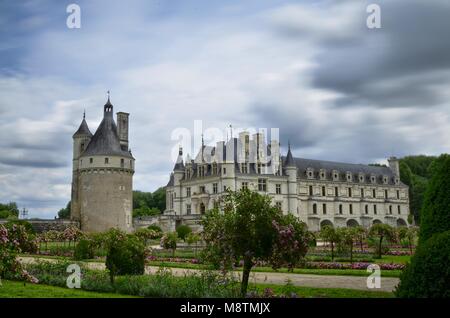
[307, 280]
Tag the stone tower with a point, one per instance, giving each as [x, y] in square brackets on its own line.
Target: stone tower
[102, 179]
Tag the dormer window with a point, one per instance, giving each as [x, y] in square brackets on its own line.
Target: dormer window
[373, 179]
[335, 175]
[349, 176]
[396, 180]
[322, 174]
[310, 173]
[214, 168]
[361, 177]
[385, 179]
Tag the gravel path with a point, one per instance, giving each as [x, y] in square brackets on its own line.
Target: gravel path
[321, 281]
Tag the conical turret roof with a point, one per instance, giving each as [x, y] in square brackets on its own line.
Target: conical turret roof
[83, 130]
[106, 139]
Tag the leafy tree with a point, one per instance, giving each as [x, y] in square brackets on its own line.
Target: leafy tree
[361, 235]
[65, 212]
[435, 216]
[183, 231]
[409, 234]
[125, 254]
[380, 232]
[428, 274]
[169, 242]
[148, 203]
[9, 210]
[348, 236]
[330, 235]
[250, 229]
[193, 238]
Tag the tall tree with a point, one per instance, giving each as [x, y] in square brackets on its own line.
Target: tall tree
[251, 230]
[436, 206]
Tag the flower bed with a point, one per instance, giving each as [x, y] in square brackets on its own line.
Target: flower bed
[173, 259]
[359, 265]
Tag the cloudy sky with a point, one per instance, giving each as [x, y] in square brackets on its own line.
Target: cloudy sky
[335, 88]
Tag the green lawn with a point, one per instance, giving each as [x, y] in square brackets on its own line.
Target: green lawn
[311, 292]
[345, 272]
[12, 289]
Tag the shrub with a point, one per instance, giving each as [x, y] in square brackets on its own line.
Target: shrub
[381, 232]
[183, 231]
[428, 274]
[84, 250]
[155, 228]
[125, 254]
[27, 225]
[169, 242]
[435, 216]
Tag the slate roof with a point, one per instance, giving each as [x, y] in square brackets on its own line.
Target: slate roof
[106, 139]
[342, 168]
[83, 130]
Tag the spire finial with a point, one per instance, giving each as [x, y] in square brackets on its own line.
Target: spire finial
[289, 144]
[84, 114]
[231, 131]
[108, 94]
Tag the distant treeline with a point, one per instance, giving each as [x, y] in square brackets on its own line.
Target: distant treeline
[9, 210]
[416, 171]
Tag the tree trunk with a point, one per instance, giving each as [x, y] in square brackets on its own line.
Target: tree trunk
[351, 253]
[379, 247]
[245, 275]
[332, 251]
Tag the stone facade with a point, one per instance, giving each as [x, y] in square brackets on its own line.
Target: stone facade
[317, 192]
[102, 175]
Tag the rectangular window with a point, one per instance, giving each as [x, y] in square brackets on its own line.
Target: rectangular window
[202, 189]
[398, 194]
[336, 191]
[385, 194]
[398, 209]
[244, 185]
[362, 193]
[278, 205]
[262, 185]
[351, 209]
[188, 209]
[214, 188]
[349, 192]
[324, 191]
[106, 160]
[91, 160]
[122, 163]
[224, 170]
[188, 192]
[375, 209]
[390, 209]
[374, 194]
[278, 188]
[324, 208]
[310, 190]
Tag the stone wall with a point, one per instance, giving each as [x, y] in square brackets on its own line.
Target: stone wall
[46, 225]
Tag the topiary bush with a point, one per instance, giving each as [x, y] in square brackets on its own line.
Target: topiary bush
[125, 254]
[84, 250]
[428, 274]
[169, 242]
[156, 228]
[183, 231]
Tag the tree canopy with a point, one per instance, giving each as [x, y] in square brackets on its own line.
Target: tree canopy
[149, 203]
[9, 210]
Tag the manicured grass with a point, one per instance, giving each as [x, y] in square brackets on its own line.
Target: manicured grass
[12, 289]
[311, 292]
[345, 272]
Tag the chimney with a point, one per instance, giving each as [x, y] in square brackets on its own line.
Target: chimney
[122, 129]
[394, 165]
